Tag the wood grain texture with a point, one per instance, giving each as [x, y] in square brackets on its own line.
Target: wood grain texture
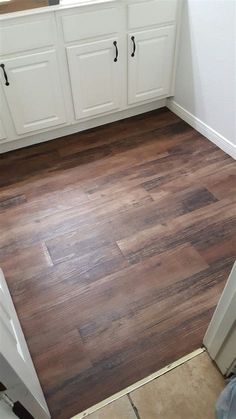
[116, 244]
[18, 5]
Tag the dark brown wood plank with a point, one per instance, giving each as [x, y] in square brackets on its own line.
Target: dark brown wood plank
[116, 244]
[205, 227]
[69, 357]
[11, 201]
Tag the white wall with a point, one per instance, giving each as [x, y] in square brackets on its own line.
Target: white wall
[206, 66]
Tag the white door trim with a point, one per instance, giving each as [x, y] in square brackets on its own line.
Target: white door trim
[18, 374]
[221, 333]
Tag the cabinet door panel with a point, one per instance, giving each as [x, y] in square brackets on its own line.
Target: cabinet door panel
[2, 131]
[34, 94]
[95, 78]
[152, 12]
[150, 69]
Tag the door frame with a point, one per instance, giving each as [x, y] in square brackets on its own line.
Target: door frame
[220, 338]
[17, 372]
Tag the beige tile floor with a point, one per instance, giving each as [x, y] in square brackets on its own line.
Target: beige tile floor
[186, 392]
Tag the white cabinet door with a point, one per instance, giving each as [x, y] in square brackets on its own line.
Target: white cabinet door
[150, 64]
[95, 71]
[2, 131]
[34, 94]
[17, 372]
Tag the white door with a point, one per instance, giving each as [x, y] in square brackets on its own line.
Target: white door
[6, 411]
[17, 373]
[33, 91]
[220, 338]
[150, 64]
[95, 72]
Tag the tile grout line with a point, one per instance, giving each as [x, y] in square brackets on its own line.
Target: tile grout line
[135, 409]
[139, 383]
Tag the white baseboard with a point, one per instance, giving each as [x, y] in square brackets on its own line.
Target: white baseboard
[203, 128]
[80, 126]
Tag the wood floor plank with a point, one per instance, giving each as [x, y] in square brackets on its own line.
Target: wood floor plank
[185, 175]
[118, 131]
[41, 223]
[56, 286]
[142, 304]
[69, 358]
[159, 162]
[222, 248]
[11, 201]
[204, 226]
[116, 243]
[224, 185]
[33, 260]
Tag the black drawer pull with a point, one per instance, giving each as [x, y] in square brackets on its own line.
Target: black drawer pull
[117, 53]
[5, 74]
[134, 46]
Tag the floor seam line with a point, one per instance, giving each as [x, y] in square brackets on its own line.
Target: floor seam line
[135, 409]
[140, 383]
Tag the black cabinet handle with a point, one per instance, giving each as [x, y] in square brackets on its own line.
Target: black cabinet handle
[134, 46]
[5, 74]
[117, 53]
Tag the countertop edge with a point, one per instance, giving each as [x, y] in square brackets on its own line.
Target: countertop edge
[56, 8]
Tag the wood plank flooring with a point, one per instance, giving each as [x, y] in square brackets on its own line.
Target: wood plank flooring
[116, 244]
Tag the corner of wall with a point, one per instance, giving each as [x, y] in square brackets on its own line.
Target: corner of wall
[203, 128]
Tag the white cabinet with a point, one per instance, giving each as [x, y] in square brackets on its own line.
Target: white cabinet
[150, 63]
[62, 68]
[2, 131]
[96, 77]
[34, 94]
[152, 12]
